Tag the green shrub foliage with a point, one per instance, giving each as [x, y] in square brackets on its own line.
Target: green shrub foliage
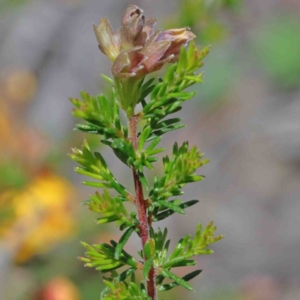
[136, 144]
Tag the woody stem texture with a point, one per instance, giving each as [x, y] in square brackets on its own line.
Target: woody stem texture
[142, 210]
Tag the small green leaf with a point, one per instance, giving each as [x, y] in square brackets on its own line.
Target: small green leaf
[175, 208]
[188, 277]
[154, 143]
[155, 151]
[147, 267]
[143, 180]
[198, 78]
[167, 123]
[147, 250]
[104, 220]
[184, 263]
[123, 240]
[107, 79]
[164, 130]
[96, 184]
[143, 137]
[169, 212]
[84, 172]
[124, 275]
[177, 279]
[163, 215]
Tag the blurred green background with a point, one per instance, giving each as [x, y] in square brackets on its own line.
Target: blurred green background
[246, 117]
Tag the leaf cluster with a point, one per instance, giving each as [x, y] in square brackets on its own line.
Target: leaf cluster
[112, 209]
[178, 171]
[101, 114]
[94, 166]
[182, 255]
[167, 96]
[123, 291]
[123, 286]
[103, 258]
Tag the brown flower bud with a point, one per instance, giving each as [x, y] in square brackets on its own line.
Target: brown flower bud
[135, 48]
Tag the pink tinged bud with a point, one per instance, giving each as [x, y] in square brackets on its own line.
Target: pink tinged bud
[133, 21]
[149, 25]
[135, 48]
[128, 63]
[177, 37]
[146, 32]
[108, 41]
[154, 53]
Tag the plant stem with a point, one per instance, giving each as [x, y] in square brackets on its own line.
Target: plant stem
[142, 209]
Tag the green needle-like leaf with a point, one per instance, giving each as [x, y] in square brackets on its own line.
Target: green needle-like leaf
[175, 208]
[169, 212]
[188, 277]
[123, 240]
[177, 279]
[147, 267]
[147, 250]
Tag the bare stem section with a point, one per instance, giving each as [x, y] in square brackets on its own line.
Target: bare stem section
[142, 209]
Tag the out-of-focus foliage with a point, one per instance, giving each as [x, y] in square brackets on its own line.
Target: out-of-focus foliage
[210, 21]
[35, 201]
[204, 17]
[277, 47]
[10, 4]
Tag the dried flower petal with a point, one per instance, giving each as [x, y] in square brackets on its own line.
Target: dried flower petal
[128, 63]
[133, 22]
[155, 52]
[107, 39]
[146, 32]
[177, 37]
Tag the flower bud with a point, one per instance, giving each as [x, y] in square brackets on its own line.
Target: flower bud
[135, 48]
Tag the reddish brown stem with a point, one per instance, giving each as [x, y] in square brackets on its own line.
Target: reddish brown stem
[142, 209]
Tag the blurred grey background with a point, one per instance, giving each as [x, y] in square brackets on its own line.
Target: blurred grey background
[245, 117]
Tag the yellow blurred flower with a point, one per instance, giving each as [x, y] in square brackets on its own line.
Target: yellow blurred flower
[36, 217]
[43, 216]
[6, 211]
